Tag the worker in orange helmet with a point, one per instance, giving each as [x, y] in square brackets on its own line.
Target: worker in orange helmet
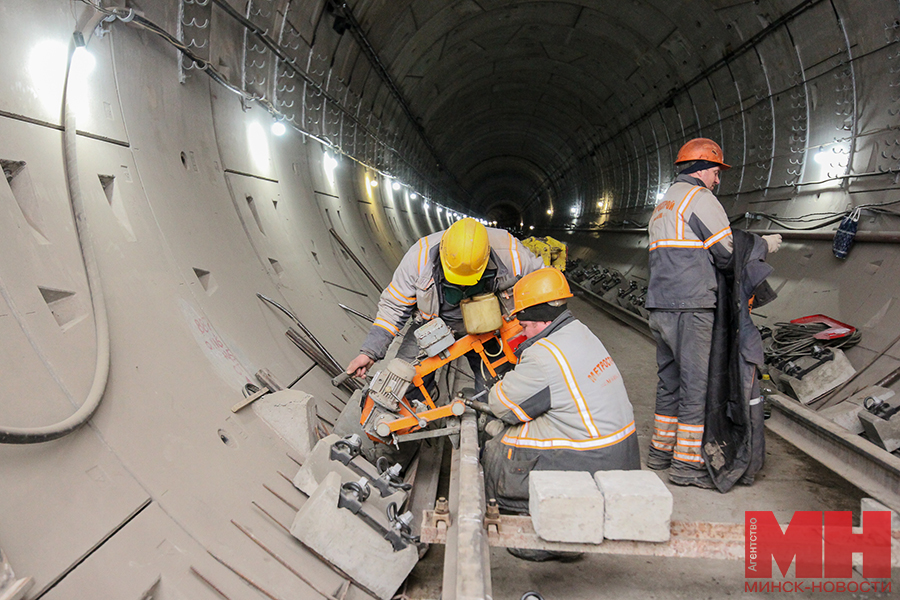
[564, 405]
[690, 238]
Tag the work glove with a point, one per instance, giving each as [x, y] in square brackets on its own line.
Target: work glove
[773, 241]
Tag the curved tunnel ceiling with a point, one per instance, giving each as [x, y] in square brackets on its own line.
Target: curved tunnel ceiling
[508, 90]
[575, 108]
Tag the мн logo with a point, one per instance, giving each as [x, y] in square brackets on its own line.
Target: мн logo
[822, 544]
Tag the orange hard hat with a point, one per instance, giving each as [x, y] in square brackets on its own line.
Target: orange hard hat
[702, 149]
[544, 285]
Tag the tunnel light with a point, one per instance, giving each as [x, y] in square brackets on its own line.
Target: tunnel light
[530, 227]
[373, 183]
[550, 211]
[439, 209]
[83, 62]
[425, 205]
[278, 128]
[822, 156]
[574, 210]
[330, 164]
[413, 196]
[396, 186]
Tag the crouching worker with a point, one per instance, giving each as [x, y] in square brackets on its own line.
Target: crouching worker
[564, 403]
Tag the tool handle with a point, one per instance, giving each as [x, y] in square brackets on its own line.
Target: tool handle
[344, 376]
[479, 406]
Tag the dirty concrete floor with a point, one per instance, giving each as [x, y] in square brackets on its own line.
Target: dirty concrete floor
[790, 481]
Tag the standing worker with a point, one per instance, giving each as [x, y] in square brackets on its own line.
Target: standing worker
[435, 275]
[690, 237]
[564, 403]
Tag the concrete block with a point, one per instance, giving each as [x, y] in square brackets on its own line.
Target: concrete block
[638, 506]
[347, 542]
[565, 506]
[846, 413]
[870, 504]
[292, 414]
[884, 433]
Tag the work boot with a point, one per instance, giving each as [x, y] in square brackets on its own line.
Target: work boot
[683, 473]
[658, 460]
[544, 555]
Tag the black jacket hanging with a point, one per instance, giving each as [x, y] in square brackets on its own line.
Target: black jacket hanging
[734, 436]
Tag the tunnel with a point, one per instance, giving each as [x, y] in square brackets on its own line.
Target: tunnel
[205, 199]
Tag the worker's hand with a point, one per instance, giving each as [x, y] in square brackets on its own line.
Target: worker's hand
[359, 365]
[773, 241]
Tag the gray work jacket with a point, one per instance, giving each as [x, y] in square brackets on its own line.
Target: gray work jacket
[413, 287]
[689, 236]
[566, 393]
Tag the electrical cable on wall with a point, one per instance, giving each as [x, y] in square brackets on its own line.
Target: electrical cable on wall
[32, 435]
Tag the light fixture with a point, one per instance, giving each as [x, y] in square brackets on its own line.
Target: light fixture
[83, 62]
[373, 183]
[549, 211]
[425, 205]
[413, 196]
[660, 196]
[396, 186]
[821, 157]
[574, 210]
[530, 227]
[278, 128]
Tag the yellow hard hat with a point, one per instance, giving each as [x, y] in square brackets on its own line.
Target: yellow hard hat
[539, 287]
[702, 149]
[465, 251]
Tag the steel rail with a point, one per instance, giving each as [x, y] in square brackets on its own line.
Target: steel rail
[467, 559]
[862, 463]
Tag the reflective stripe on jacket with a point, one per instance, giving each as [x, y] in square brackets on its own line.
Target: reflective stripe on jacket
[689, 235]
[412, 285]
[565, 393]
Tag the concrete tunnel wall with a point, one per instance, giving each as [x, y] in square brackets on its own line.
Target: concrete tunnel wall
[194, 207]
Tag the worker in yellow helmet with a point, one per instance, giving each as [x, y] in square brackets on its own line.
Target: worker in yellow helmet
[438, 272]
[564, 405]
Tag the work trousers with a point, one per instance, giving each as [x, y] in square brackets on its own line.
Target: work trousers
[506, 468]
[683, 340]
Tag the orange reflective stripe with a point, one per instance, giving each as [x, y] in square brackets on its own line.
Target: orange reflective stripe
[665, 419]
[392, 290]
[687, 457]
[574, 390]
[676, 244]
[679, 223]
[664, 432]
[686, 427]
[717, 237]
[514, 255]
[515, 408]
[661, 445]
[522, 441]
[689, 443]
[423, 254]
[386, 326]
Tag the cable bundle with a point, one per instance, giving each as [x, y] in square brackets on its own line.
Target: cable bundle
[789, 341]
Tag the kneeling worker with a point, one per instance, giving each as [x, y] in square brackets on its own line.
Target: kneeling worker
[565, 401]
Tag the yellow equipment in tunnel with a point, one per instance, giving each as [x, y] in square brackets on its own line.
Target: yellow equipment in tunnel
[552, 251]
